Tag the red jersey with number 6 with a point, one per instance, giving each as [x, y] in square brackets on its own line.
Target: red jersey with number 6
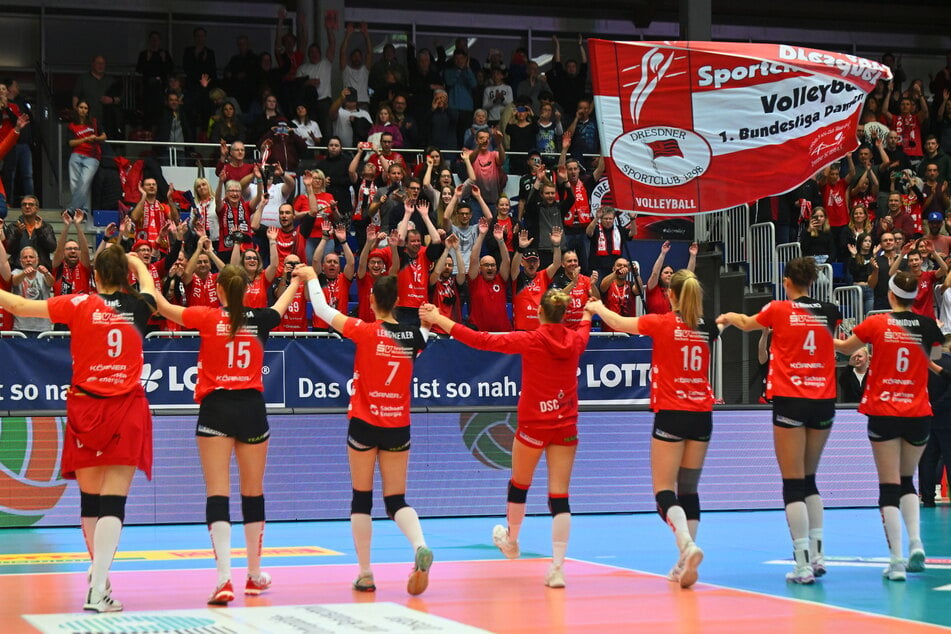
[897, 383]
[224, 362]
[679, 373]
[802, 357]
[382, 371]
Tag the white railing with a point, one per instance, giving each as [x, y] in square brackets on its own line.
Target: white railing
[822, 287]
[784, 253]
[851, 303]
[762, 248]
[729, 227]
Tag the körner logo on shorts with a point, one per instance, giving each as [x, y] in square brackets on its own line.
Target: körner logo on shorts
[661, 156]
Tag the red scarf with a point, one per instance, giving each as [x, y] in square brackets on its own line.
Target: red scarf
[365, 194]
[603, 241]
[580, 212]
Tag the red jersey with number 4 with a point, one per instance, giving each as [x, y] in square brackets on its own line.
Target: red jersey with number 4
[802, 357]
[106, 342]
[382, 370]
[897, 382]
[224, 362]
[680, 365]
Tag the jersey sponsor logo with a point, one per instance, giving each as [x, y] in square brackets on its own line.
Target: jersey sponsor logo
[660, 433]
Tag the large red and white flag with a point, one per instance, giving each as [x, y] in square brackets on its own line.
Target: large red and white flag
[693, 127]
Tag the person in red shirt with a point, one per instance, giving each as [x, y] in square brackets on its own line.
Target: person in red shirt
[259, 277]
[682, 402]
[444, 287]
[108, 423]
[801, 384]
[231, 165]
[658, 284]
[620, 289]
[579, 287]
[835, 196]
[200, 283]
[415, 262]
[899, 412]
[373, 264]
[232, 418]
[487, 282]
[149, 214]
[335, 282]
[547, 415]
[926, 280]
[86, 146]
[385, 157]
[295, 317]
[379, 412]
[290, 239]
[234, 216]
[531, 283]
[72, 266]
[6, 274]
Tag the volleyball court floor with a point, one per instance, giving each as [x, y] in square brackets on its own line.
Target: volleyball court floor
[616, 579]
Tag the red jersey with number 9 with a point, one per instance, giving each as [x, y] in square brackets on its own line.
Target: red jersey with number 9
[224, 362]
[802, 357]
[898, 374]
[680, 365]
[382, 371]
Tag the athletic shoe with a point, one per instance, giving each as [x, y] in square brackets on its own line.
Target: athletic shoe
[691, 558]
[802, 575]
[555, 577]
[96, 602]
[259, 585]
[916, 560]
[819, 566]
[419, 578]
[675, 572]
[500, 537]
[364, 583]
[89, 580]
[222, 595]
[895, 570]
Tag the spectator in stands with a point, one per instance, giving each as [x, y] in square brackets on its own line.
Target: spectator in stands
[940, 241]
[444, 286]
[374, 263]
[351, 122]
[936, 459]
[521, 135]
[32, 281]
[199, 280]
[852, 377]
[227, 127]
[936, 194]
[487, 166]
[927, 280]
[407, 122]
[295, 317]
[943, 120]
[388, 63]
[259, 277]
[871, 111]
[317, 73]
[231, 165]
[18, 163]
[580, 288]
[240, 73]
[817, 239]
[583, 132]
[439, 125]
[835, 197]
[234, 215]
[6, 274]
[335, 166]
[863, 189]
[414, 264]
[385, 124]
[863, 269]
[859, 223]
[912, 114]
[354, 68]
[101, 92]
[155, 65]
[568, 81]
[457, 221]
[72, 266]
[150, 214]
[658, 284]
[175, 125]
[892, 162]
[488, 279]
[605, 240]
[901, 220]
[383, 158]
[424, 80]
[288, 56]
[30, 231]
[548, 137]
[934, 154]
[620, 289]
[496, 95]
[545, 210]
[261, 119]
[460, 82]
[286, 149]
[886, 254]
[532, 86]
[201, 71]
[532, 281]
[305, 127]
[84, 160]
[578, 217]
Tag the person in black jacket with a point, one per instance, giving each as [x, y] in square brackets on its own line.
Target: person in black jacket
[852, 377]
[938, 449]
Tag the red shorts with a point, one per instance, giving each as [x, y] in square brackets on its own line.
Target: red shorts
[541, 437]
[115, 430]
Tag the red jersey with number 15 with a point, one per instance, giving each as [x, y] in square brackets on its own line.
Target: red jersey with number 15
[802, 357]
[382, 370]
[898, 374]
[224, 362]
[679, 373]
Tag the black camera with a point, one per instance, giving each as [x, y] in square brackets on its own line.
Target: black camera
[236, 237]
[268, 172]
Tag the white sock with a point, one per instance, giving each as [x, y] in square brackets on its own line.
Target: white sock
[254, 540]
[106, 542]
[814, 510]
[678, 522]
[408, 521]
[560, 530]
[798, 519]
[891, 520]
[220, 533]
[361, 525]
[88, 525]
[911, 513]
[514, 514]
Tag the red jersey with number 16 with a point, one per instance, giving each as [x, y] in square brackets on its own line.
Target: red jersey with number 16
[897, 383]
[679, 374]
[802, 357]
[382, 371]
[224, 362]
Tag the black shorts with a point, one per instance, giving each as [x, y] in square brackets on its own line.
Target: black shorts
[238, 414]
[676, 426]
[915, 430]
[362, 436]
[812, 413]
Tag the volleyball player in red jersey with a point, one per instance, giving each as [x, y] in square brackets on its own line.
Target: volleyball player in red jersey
[108, 423]
[899, 412]
[801, 383]
[547, 415]
[682, 402]
[232, 416]
[379, 416]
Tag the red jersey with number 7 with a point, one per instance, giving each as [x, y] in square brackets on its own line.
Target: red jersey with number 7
[224, 362]
[802, 356]
[898, 374]
[680, 365]
[382, 371]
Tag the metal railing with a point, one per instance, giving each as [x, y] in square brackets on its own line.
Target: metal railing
[730, 227]
[851, 304]
[822, 287]
[762, 248]
[784, 253]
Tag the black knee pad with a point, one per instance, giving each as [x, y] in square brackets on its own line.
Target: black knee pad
[691, 505]
[88, 504]
[361, 503]
[665, 499]
[908, 485]
[811, 488]
[517, 494]
[794, 490]
[112, 505]
[558, 505]
[252, 508]
[394, 503]
[889, 494]
[216, 509]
